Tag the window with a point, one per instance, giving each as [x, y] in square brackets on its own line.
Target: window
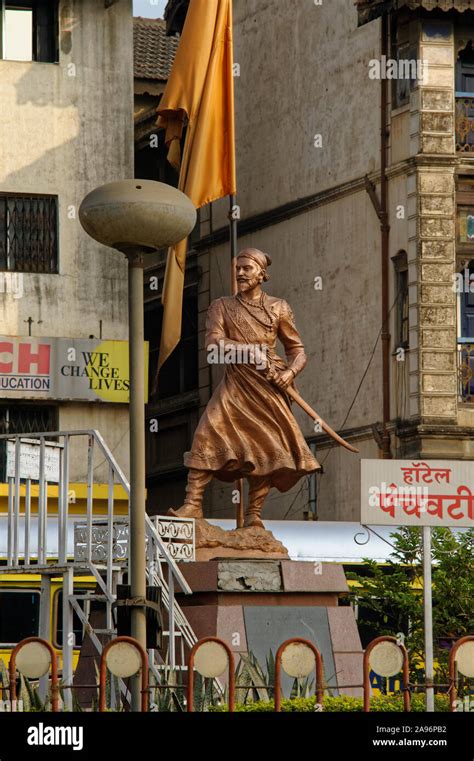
[29, 30]
[405, 84]
[19, 615]
[465, 71]
[465, 215]
[33, 418]
[465, 286]
[405, 54]
[466, 225]
[28, 233]
[180, 372]
[467, 303]
[176, 403]
[77, 626]
[465, 100]
[165, 448]
[401, 284]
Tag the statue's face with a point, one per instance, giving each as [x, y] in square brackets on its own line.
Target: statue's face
[249, 274]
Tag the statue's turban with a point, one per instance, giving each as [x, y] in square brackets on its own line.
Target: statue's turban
[262, 259]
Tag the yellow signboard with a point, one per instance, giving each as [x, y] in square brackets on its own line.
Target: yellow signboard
[66, 369]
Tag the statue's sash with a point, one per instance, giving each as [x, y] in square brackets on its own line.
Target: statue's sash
[237, 315]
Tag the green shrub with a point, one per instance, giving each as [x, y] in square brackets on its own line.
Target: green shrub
[343, 703]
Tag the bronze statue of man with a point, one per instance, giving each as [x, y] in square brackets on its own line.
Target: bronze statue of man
[248, 429]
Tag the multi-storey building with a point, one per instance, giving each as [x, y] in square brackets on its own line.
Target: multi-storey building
[354, 159]
[66, 86]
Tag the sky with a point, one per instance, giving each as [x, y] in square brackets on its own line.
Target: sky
[149, 8]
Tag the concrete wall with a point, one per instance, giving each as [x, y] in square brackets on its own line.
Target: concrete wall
[65, 129]
[301, 65]
[303, 72]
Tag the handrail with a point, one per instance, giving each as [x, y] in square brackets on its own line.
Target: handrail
[151, 531]
[63, 440]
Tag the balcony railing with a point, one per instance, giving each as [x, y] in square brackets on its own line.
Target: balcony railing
[466, 370]
[464, 123]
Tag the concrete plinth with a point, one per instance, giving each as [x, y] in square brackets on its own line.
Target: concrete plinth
[255, 605]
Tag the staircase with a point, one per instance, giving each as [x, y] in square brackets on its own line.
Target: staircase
[93, 544]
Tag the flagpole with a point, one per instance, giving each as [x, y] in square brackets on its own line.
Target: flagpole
[233, 241]
[233, 217]
[239, 515]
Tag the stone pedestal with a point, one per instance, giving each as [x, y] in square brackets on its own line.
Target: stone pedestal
[214, 542]
[256, 604]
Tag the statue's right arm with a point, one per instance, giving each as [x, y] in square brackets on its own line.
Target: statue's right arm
[215, 326]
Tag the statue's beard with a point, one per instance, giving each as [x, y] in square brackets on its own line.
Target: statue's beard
[248, 285]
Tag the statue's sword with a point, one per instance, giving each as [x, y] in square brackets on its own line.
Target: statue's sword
[313, 414]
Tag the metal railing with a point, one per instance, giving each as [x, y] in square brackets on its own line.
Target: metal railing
[38, 469]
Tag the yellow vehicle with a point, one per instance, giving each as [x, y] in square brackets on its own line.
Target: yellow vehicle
[20, 612]
[21, 593]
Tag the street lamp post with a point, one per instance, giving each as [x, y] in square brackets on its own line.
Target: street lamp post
[137, 217]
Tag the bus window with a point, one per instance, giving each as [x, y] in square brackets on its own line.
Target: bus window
[76, 621]
[19, 615]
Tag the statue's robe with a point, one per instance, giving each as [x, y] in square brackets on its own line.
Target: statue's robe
[248, 428]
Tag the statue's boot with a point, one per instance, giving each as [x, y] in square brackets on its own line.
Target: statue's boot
[197, 482]
[258, 490]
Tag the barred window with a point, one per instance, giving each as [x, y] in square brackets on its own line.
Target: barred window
[28, 418]
[28, 233]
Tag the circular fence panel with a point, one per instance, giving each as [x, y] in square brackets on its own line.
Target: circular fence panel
[465, 659]
[298, 660]
[386, 659]
[210, 660]
[33, 660]
[123, 660]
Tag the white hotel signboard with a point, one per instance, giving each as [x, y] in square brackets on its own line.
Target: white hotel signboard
[417, 493]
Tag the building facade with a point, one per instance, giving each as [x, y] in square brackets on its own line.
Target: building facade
[354, 151]
[66, 84]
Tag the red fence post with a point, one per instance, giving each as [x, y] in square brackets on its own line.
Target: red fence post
[319, 669]
[231, 671]
[405, 672]
[452, 691]
[54, 670]
[103, 671]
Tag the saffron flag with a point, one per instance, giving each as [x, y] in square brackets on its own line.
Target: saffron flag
[200, 95]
